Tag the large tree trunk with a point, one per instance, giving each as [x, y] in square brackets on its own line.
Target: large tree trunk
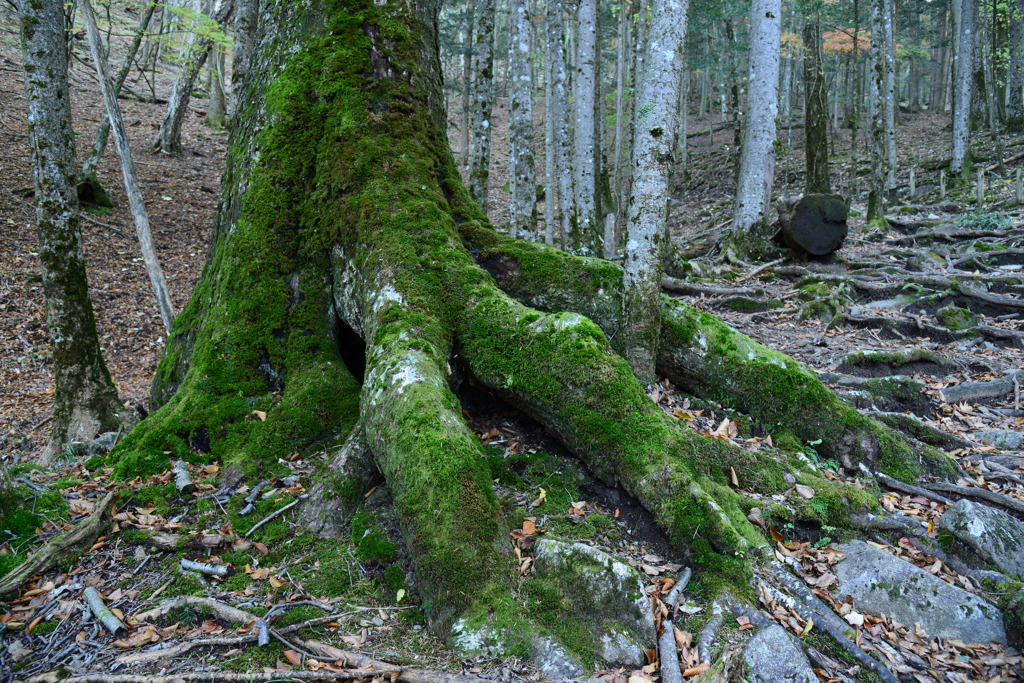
[876, 113]
[522, 175]
[816, 112]
[586, 230]
[757, 156]
[963, 58]
[559, 114]
[483, 101]
[345, 235]
[1015, 72]
[168, 138]
[85, 401]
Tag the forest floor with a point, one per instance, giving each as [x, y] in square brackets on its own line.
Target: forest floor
[284, 572]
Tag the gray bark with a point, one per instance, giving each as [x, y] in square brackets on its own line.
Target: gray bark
[168, 138]
[85, 399]
[1015, 72]
[246, 15]
[585, 232]
[876, 112]
[890, 101]
[559, 114]
[757, 157]
[483, 101]
[522, 175]
[216, 113]
[653, 142]
[963, 57]
[131, 181]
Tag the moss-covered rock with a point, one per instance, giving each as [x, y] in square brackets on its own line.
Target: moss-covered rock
[955, 318]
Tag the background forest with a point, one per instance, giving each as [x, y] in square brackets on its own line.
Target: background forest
[673, 138]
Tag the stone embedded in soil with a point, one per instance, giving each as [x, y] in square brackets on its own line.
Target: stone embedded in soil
[993, 534]
[1003, 439]
[775, 656]
[554, 661]
[603, 593]
[881, 583]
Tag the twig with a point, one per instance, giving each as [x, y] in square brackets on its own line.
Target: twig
[677, 590]
[89, 219]
[227, 676]
[272, 515]
[262, 633]
[102, 612]
[160, 590]
[760, 269]
[668, 655]
[250, 500]
[61, 548]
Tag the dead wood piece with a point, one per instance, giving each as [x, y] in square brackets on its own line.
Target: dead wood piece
[62, 548]
[89, 219]
[677, 590]
[221, 610]
[198, 541]
[218, 570]
[983, 494]
[760, 269]
[970, 391]
[102, 612]
[274, 514]
[250, 500]
[262, 632]
[183, 479]
[707, 634]
[692, 289]
[668, 655]
[898, 485]
[181, 648]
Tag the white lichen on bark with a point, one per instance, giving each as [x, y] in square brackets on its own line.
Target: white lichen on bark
[585, 232]
[558, 113]
[482, 101]
[522, 177]
[963, 66]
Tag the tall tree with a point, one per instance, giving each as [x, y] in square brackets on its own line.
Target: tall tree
[653, 142]
[522, 174]
[963, 67]
[168, 138]
[1015, 72]
[483, 101]
[559, 115]
[815, 111]
[757, 156]
[85, 401]
[889, 96]
[586, 230]
[876, 112]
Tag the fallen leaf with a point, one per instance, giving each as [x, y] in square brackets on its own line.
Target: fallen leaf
[399, 595]
[260, 414]
[262, 548]
[139, 638]
[696, 670]
[529, 527]
[805, 491]
[854, 619]
[292, 656]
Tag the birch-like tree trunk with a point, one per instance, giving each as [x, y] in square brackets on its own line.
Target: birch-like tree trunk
[483, 101]
[757, 156]
[876, 112]
[815, 112]
[586, 230]
[621, 99]
[558, 113]
[168, 138]
[890, 101]
[467, 79]
[1015, 72]
[653, 142]
[85, 401]
[216, 113]
[522, 177]
[246, 15]
[963, 69]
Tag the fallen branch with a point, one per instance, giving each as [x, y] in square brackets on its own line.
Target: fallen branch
[760, 269]
[250, 500]
[983, 494]
[89, 219]
[707, 634]
[897, 485]
[222, 610]
[102, 612]
[218, 570]
[354, 659]
[61, 549]
[223, 676]
[274, 514]
[680, 287]
[668, 655]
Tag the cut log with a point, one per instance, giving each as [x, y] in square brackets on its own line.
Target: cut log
[814, 224]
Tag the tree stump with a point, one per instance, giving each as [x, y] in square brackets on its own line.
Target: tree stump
[814, 224]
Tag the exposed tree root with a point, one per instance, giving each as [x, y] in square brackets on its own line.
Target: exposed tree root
[221, 610]
[983, 494]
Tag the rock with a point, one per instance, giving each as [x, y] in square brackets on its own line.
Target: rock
[602, 594]
[813, 224]
[1003, 439]
[881, 583]
[553, 660]
[102, 444]
[1015, 619]
[995, 535]
[955, 318]
[774, 656]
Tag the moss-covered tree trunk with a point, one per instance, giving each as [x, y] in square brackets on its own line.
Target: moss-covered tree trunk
[352, 280]
[85, 399]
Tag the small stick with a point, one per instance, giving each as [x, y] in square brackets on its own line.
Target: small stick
[161, 589]
[677, 590]
[942, 184]
[182, 478]
[262, 633]
[232, 677]
[222, 610]
[981, 187]
[913, 184]
[86, 217]
[218, 570]
[142, 564]
[102, 612]
[760, 269]
[1016, 391]
[912, 490]
[250, 500]
[272, 515]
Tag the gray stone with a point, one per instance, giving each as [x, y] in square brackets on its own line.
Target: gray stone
[881, 583]
[1003, 439]
[775, 656]
[553, 660]
[603, 594]
[993, 534]
[102, 444]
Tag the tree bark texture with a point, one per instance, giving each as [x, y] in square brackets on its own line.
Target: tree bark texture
[216, 113]
[1015, 71]
[559, 114]
[586, 229]
[890, 101]
[522, 176]
[816, 112]
[653, 143]
[963, 67]
[85, 399]
[876, 112]
[346, 239]
[483, 101]
[246, 12]
[757, 156]
[168, 138]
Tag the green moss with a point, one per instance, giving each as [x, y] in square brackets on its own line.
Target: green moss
[45, 627]
[956, 319]
[298, 614]
[394, 577]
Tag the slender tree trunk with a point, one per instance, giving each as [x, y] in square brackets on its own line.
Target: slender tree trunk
[815, 112]
[216, 113]
[85, 401]
[757, 157]
[559, 115]
[246, 16]
[876, 111]
[168, 138]
[963, 69]
[586, 230]
[88, 173]
[523, 183]
[483, 101]
[890, 101]
[467, 78]
[1015, 72]
[648, 207]
[131, 181]
[621, 107]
